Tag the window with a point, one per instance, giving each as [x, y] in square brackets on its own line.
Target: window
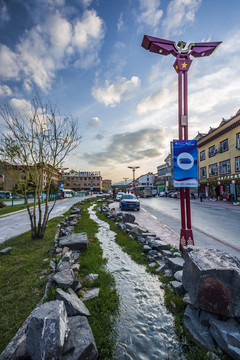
[203, 172]
[202, 155]
[224, 167]
[224, 145]
[213, 170]
[237, 163]
[211, 151]
[238, 141]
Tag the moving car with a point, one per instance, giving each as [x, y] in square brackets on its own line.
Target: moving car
[119, 195]
[129, 202]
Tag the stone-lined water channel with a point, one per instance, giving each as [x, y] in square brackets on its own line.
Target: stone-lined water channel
[144, 327]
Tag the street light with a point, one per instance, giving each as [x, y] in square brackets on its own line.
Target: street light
[125, 180]
[133, 169]
[181, 65]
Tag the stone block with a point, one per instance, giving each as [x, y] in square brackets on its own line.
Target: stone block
[64, 279]
[166, 253]
[128, 218]
[177, 287]
[6, 250]
[47, 331]
[200, 333]
[73, 304]
[178, 275]
[212, 279]
[80, 344]
[75, 241]
[227, 336]
[175, 264]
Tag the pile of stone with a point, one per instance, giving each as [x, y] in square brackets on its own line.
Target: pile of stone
[209, 279]
[59, 329]
[212, 281]
[67, 225]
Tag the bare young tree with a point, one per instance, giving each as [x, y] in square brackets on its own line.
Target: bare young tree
[34, 145]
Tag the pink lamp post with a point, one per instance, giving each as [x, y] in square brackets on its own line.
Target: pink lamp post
[181, 65]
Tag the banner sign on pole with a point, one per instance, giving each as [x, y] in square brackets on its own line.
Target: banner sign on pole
[185, 163]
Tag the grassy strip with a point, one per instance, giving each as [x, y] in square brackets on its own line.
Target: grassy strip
[174, 303]
[20, 285]
[8, 209]
[104, 308]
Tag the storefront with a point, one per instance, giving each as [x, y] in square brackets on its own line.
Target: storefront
[225, 188]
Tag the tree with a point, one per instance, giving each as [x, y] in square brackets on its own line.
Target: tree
[33, 147]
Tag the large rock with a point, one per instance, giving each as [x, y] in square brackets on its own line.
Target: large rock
[212, 279]
[74, 241]
[47, 331]
[227, 336]
[198, 329]
[64, 279]
[73, 304]
[80, 344]
[175, 264]
[128, 218]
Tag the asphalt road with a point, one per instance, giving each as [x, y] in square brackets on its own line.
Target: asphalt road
[14, 225]
[213, 226]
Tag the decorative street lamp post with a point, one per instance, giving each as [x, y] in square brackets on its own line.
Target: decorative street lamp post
[181, 65]
[133, 169]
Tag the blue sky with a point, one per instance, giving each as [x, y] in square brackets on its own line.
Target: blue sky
[86, 56]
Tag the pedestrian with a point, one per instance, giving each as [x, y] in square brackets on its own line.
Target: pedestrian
[201, 196]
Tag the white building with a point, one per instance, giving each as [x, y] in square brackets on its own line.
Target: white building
[146, 180]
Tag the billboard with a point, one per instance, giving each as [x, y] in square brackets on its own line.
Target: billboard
[185, 163]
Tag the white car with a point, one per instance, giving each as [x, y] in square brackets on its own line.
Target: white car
[119, 196]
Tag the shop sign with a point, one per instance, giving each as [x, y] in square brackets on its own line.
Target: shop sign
[185, 163]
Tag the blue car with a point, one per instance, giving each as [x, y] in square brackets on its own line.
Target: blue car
[129, 202]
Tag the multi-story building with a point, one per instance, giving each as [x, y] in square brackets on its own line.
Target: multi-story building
[83, 180]
[13, 174]
[219, 160]
[165, 175]
[146, 180]
[106, 185]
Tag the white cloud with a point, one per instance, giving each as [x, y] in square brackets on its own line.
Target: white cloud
[93, 122]
[140, 145]
[4, 15]
[120, 22]
[112, 94]
[161, 99]
[5, 90]
[51, 46]
[150, 14]
[179, 14]
[8, 63]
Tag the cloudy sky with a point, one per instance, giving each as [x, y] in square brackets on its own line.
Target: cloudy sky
[86, 56]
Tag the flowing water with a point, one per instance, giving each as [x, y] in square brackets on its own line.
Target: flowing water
[144, 327]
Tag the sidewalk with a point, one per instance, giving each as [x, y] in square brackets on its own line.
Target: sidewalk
[220, 203]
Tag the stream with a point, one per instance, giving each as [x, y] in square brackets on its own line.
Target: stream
[144, 326]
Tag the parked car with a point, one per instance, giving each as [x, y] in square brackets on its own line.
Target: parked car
[129, 202]
[162, 193]
[119, 195]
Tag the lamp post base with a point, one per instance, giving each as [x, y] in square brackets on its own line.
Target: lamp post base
[186, 238]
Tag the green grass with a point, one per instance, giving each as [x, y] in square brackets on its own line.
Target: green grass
[104, 308]
[20, 285]
[10, 209]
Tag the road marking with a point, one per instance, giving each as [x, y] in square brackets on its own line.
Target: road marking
[154, 216]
